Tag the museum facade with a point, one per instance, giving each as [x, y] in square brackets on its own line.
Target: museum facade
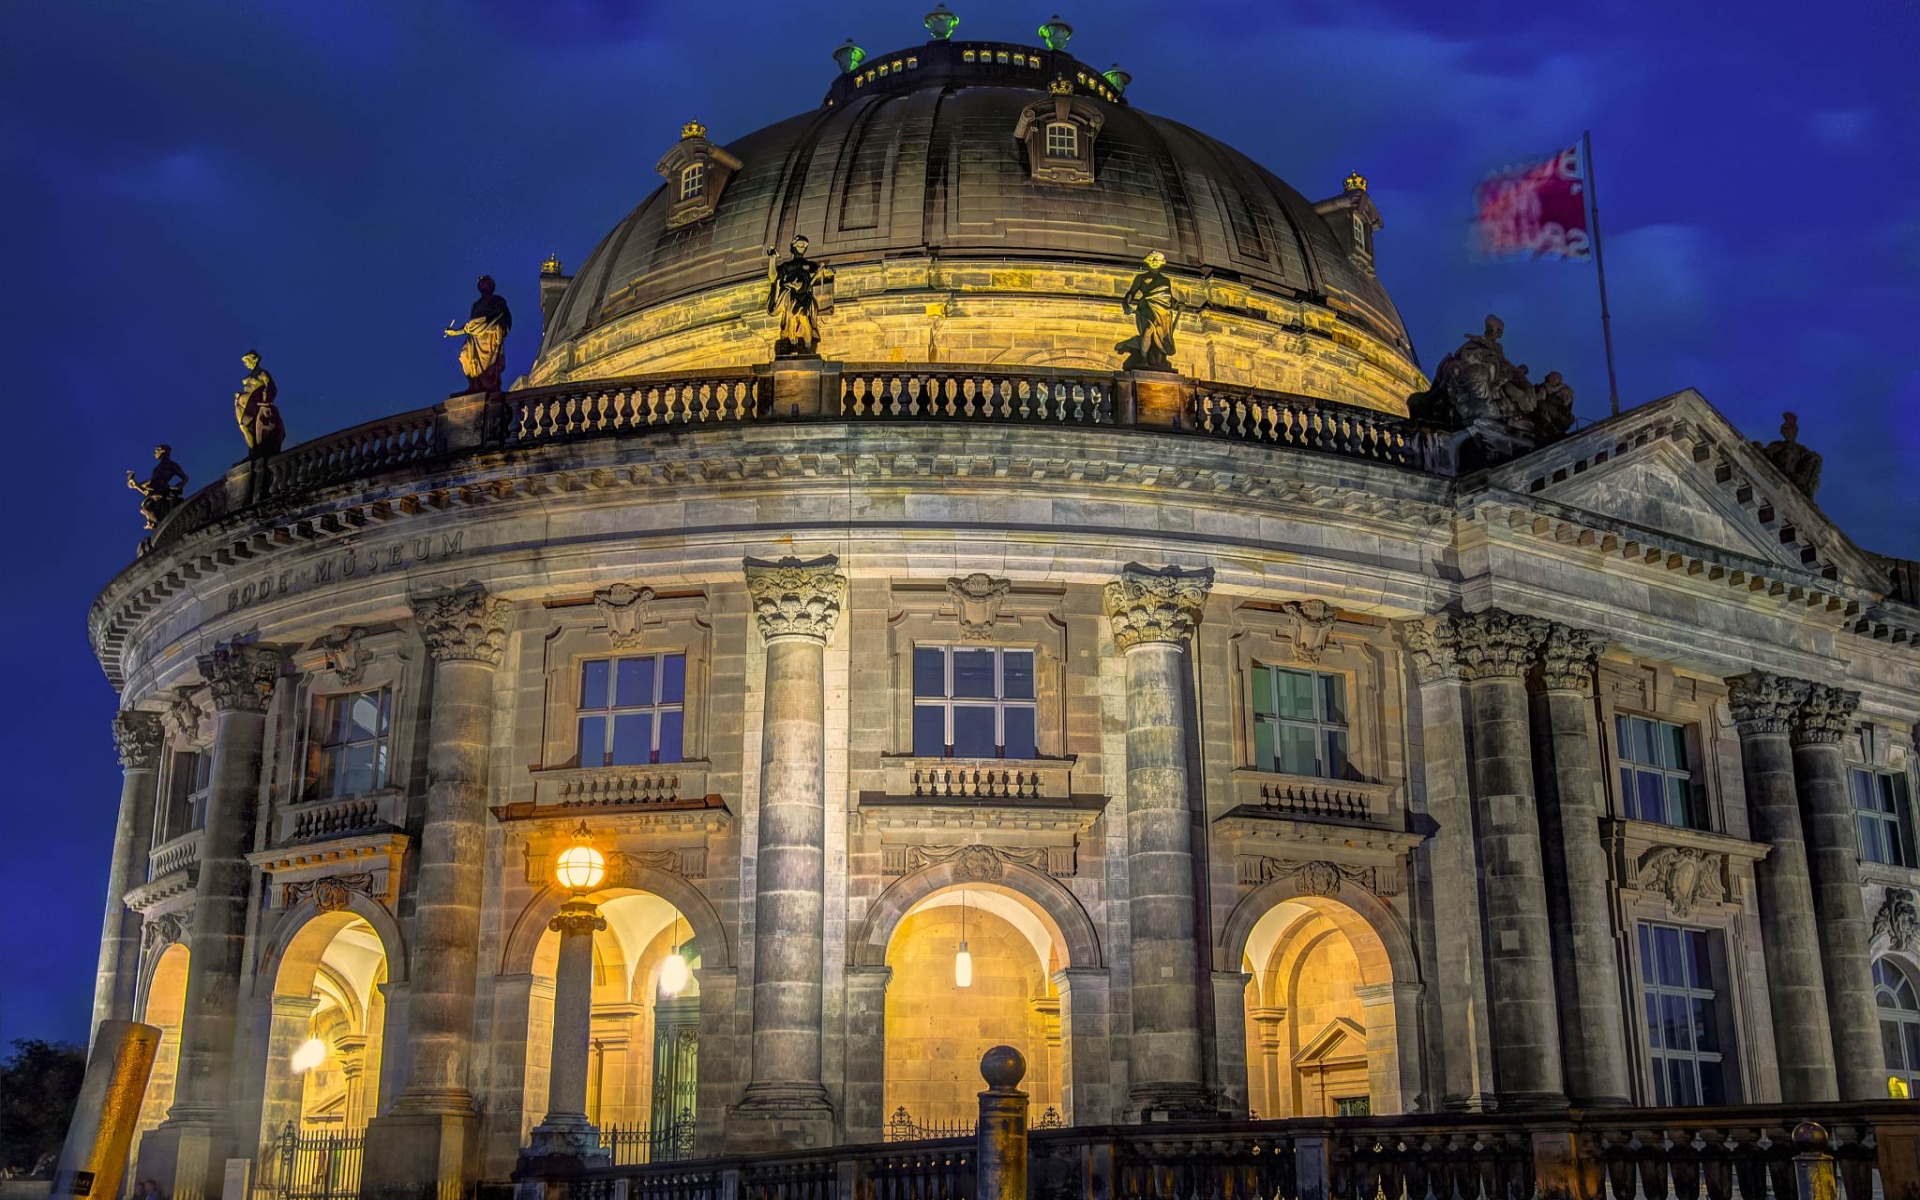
[1207, 729]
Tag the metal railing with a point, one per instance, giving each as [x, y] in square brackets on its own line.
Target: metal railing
[903, 1127]
[641, 1145]
[295, 1165]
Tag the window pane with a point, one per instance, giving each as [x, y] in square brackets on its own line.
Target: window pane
[1336, 760]
[1713, 1084]
[327, 783]
[1643, 741]
[670, 726]
[1666, 944]
[973, 674]
[1892, 1046]
[1017, 669]
[1886, 794]
[593, 684]
[1870, 847]
[1646, 951]
[1623, 736]
[593, 741]
[1297, 756]
[357, 773]
[1659, 1083]
[1679, 801]
[673, 679]
[1333, 696]
[973, 731]
[1676, 1025]
[1018, 720]
[1653, 1015]
[633, 682]
[929, 731]
[929, 671]
[367, 718]
[1673, 744]
[1680, 1089]
[1912, 1031]
[1863, 789]
[632, 739]
[1653, 805]
[1699, 961]
[1296, 694]
[1263, 752]
[1706, 1026]
[1263, 691]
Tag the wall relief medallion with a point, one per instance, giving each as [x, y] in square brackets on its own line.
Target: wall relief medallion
[971, 864]
[1685, 877]
[1317, 877]
[345, 656]
[1899, 920]
[977, 599]
[1313, 622]
[331, 893]
[625, 609]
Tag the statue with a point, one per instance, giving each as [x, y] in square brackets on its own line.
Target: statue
[162, 489]
[255, 411]
[1476, 383]
[793, 298]
[1149, 301]
[1800, 465]
[484, 355]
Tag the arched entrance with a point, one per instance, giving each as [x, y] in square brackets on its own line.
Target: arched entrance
[165, 1004]
[326, 1038]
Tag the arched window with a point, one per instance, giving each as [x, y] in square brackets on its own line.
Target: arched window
[1063, 140]
[692, 179]
[1899, 1009]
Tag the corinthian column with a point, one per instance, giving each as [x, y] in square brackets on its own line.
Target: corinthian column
[189, 1149]
[1153, 614]
[1763, 705]
[1833, 868]
[138, 737]
[1593, 1034]
[796, 605]
[1496, 650]
[427, 1140]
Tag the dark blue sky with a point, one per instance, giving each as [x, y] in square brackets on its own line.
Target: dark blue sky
[184, 180]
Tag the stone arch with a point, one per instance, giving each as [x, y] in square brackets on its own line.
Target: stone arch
[296, 932]
[516, 956]
[1364, 917]
[162, 1002]
[1057, 908]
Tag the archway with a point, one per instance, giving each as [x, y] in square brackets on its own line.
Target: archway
[164, 1006]
[326, 1035]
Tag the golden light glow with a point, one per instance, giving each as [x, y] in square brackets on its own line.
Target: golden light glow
[581, 866]
[962, 967]
[1897, 1088]
[1356, 182]
[310, 1054]
[551, 266]
[692, 129]
[674, 975]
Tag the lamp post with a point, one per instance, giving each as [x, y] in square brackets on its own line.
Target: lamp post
[566, 1132]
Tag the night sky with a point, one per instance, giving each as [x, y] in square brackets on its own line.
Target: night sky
[323, 181]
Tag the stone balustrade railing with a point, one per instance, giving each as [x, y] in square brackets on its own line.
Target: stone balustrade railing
[175, 854]
[1002, 395]
[1304, 424]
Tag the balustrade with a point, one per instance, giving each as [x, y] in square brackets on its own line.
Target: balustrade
[353, 453]
[974, 394]
[175, 855]
[1305, 424]
[626, 406]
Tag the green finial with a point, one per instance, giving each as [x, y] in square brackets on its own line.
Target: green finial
[941, 23]
[849, 57]
[1117, 77]
[1056, 33]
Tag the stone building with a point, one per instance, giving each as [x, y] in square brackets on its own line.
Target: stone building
[1262, 758]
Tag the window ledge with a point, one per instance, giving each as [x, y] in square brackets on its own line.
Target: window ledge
[1311, 798]
[326, 818]
[1889, 875]
[980, 778]
[641, 783]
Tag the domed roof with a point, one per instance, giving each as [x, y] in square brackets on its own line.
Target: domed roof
[915, 154]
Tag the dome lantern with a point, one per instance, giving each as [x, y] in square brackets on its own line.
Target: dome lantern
[1056, 33]
[941, 23]
[849, 56]
[1118, 77]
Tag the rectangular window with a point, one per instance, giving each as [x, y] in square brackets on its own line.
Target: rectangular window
[347, 744]
[1656, 775]
[1063, 140]
[1300, 722]
[186, 808]
[1683, 1015]
[693, 179]
[632, 710]
[973, 702]
[1880, 812]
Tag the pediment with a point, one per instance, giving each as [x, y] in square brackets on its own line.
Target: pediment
[1341, 1038]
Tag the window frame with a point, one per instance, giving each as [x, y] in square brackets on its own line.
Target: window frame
[1890, 817]
[188, 784]
[316, 747]
[1655, 991]
[1066, 149]
[999, 703]
[693, 180]
[1629, 770]
[1321, 724]
[1905, 1019]
[609, 712]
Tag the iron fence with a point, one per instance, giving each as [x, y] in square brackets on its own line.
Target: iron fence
[296, 1165]
[641, 1145]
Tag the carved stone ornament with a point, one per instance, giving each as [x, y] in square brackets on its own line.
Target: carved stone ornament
[137, 736]
[166, 929]
[463, 624]
[345, 656]
[577, 918]
[182, 718]
[624, 607]
[975, 863]
[331, 893]
[1763, 702]
[1496, 644]
[977, 599]
[1314, 878]
[1686, 878]
[1824, 715]
[1568, 657]
[624, 866]
[1148, 605]
[1899, 920]
[795, 599]
[1313, 622]
[241, 675]
[1432, 643]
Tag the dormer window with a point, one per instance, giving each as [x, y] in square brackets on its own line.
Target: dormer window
[1063, 140]
[697, 172]
[693, 179]
[1059, 133]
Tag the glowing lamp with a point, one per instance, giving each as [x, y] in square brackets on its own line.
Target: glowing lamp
[962, 967]
[674, 975]
[581, 867]
[310, 1054]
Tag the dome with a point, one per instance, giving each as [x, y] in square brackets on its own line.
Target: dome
[911, 168]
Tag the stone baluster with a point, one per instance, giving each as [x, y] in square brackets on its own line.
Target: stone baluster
[1496, 651]
[1579, 897]
[1763, 706]
[138, 737]
[187, 1152]
[1833, 870]
[796, 605]
[566, 1132]
[1153, 614]
[427, 1140]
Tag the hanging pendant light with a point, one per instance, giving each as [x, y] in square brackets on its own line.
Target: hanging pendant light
[674, 974]
[963, 961]
[310, 1054]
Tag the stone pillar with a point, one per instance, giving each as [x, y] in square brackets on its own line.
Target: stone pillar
[187, 1153]
[864, 1097]
[1000, 1137]
[1391, 1014]
[1272, 1099]
[1464, 1046]
[1086, 1041]
[291, 1025]
[1153, 614]
[1230, 1042]
[566, 1132]
[1833, 869]
[1593, 1031]
[138, 737]
[1496, 651]
[1762, 706]
[796, 605]
[354, 1065]
[426, 1145]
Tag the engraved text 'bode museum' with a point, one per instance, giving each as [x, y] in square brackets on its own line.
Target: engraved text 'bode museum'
[346, 564]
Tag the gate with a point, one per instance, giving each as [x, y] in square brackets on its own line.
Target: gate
[309, 1166]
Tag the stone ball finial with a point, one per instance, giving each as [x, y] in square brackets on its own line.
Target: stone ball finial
[1003, 1068]
[1809, 1137]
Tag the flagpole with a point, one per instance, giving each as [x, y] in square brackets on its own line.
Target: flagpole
[1600, 269]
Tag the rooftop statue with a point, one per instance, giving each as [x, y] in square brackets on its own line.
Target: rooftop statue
[794, 298]
[484, 354]
[1476, 383]
[1800, 465]
[162, 489]
[1149, 301]
[255, 411]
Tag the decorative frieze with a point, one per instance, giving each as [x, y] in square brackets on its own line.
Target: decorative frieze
[137, 736]
[1898, 920]
[1313, 622]
[344, 654]
[241, 675]
[792, 598]
[463, 624]
[1568, 657]
[1686, 877]
[1433, 645]
[1496, 644]
[976, 601]
[1314, 877]
[1824, 716]
[1762, 702]
[978, 863]
[331, 893]
[625, 609]
[624, 866]
[1148, 605]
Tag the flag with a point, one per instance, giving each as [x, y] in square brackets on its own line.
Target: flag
[1535, 209]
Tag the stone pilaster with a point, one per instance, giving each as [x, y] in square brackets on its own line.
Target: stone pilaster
[1495, 650]
[1153, 614]
[796, 605]
[138, 736]
[566, 1132]
[1593, 1034]
[426, 1145]
[1763, 706]
[1833, 870]
[187, 1152]
[290, 1025]
[1086, 1040]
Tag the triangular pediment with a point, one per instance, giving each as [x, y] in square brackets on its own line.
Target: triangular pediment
[1338, 1039]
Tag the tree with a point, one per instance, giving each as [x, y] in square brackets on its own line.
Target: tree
[39, 1085]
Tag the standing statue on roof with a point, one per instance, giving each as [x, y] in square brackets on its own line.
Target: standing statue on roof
[796, 295]
[1149, 301]
[1800, 465]
[255, 411]
[483, 356]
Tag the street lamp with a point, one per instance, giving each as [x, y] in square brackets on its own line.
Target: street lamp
[308, 1055]
[963, 961]
[581, 866]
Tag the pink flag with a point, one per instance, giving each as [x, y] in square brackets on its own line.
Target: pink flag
[1534, 210]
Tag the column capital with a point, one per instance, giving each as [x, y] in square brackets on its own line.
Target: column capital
[463, 624]
[1156, 605]
[1763, 702]
[1432, 643]
[137, 736]
[1496, 644]
[577, 918]
[1823, 715]
[795, 598]
[241, 675]
[1568, 658]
